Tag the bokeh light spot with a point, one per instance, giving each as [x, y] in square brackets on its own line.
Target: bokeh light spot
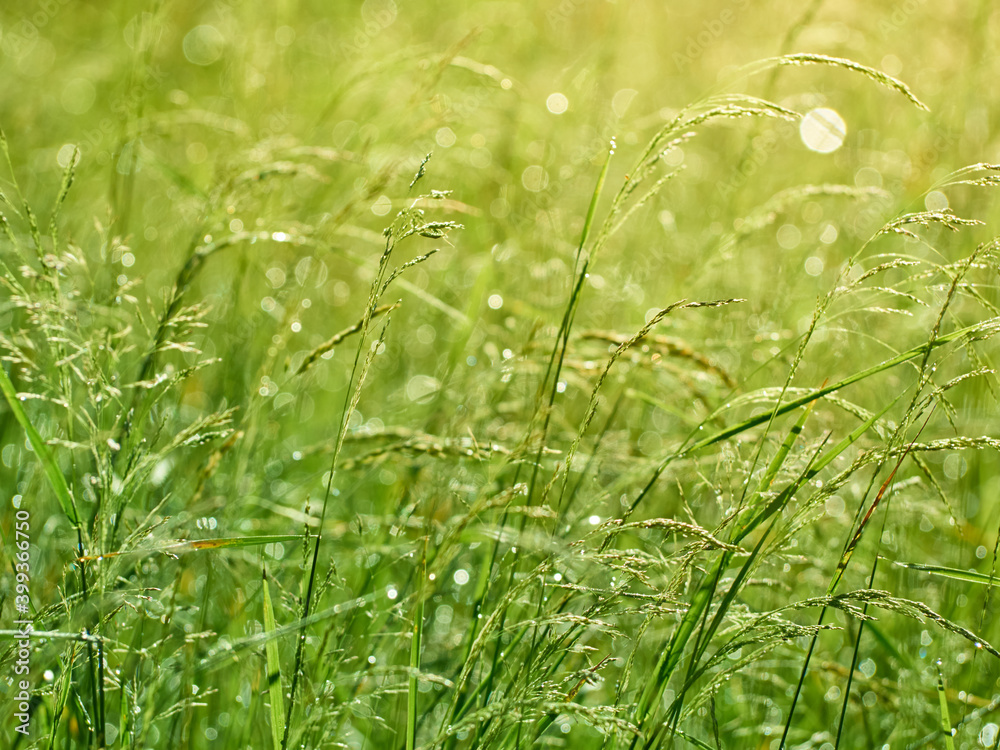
[823, 130]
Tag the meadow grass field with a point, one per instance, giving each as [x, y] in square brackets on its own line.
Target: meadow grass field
[499, 375]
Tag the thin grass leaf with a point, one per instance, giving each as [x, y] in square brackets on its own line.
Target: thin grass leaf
[702, 598]
[275, 690]
[416, 641]
[969, 576]
[838, 576]
[55, 477]
[946, 729]
[62, 694]
[195, 545]
[984, 329]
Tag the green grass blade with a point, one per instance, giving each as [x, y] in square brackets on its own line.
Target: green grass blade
[274, 686]
[821, 463]
[783, 498]
[751, 517]
[56, 479]
[969, 576]
[845, 560]
[415, 644]
[703, 597]
[62, 694]
[693, 740]
[946, 730]
[706, 633]
[592, 209]
[195, 545]
[909, 354]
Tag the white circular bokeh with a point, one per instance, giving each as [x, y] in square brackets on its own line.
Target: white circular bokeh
[823, 130]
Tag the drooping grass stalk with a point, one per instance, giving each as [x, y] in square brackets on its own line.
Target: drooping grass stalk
[543, 410]
[801, 59]
[871, 579]
[852, 543]
[408, 223]
[698, 608]
[700, 601]
[612, 225]
[358, 372]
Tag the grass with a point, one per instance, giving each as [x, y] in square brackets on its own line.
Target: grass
[361, 392]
